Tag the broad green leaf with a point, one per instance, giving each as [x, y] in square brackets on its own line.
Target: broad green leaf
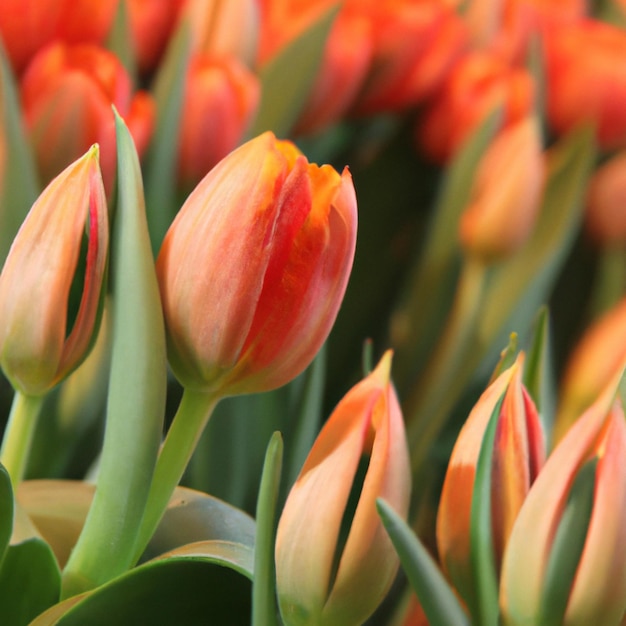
[567, 547]
[161, 161]
[6, 510]
[485, 604]
[30, 582]
[287, 79]
[264, 585]
[438, 600]
[19, 186]
[430, 286]
[202, 583]
[136, 397]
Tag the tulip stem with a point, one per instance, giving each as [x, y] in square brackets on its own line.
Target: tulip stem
[182, 437]
[18, 436]
[445, 377]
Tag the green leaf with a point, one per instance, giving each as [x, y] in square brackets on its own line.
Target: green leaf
[287, 79]
[567, 547]
[538, 377]
[120, 40]
[264, 584]
[438, 600]
[30, 582]
[507, 357]
[136, 398]
[485, 603]
[206, 582]
[19, 186]
[6, 510]
[161, 170]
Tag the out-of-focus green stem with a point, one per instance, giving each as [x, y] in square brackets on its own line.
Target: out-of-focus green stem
[429, 406]
[18, 435]
[190, 420]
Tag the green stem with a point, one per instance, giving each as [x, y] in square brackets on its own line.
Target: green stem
[190, 420]
[429, 406]
[19, 433]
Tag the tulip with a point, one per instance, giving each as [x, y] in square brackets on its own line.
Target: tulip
[27, 26]
[518, 454]
[507, 193]
[151, 23]
[594, 361]
[586, 80]
[367, 422]
[605, 215]
[478, 84]
[593, 590]
[254, 267]
[67, 93]
[221, 97]
[37, 349]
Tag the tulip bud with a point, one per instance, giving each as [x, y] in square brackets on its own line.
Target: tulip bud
[67, 93]
[518, 454]
[586, 79]
[319, 582]
[254, 268]
[221, 98]
[506, 195]
[605, 216]
[564, 563]
[594, 361]
[37, 349]
[478, 84]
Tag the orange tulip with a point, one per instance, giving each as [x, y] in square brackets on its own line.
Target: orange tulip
[254, 268]
[67, 93]
[477, 85]
[518, 454]
[507, 194]
[36, 349]
[366, 423]
[220, 100]
[586, 79]
[27, 26]
[605, 216]
[594, 361]
[596, 592]
[151, 23]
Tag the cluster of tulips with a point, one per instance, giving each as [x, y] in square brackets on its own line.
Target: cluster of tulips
[185, 296]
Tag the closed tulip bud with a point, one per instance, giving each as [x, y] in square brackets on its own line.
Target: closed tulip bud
[254, 267]
[67, 93]
[27, 26]
[564, 562]
[478, 84]
[586, 80]
[320, 582]
[221, 99]
[506, 195]
[518, 454]
[37, 349]
[594, 361]
[605, 216]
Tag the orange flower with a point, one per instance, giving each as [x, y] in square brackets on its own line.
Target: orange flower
[507, 193]
[366, 423]
[254, 268]
[67, 93]
[36, 350]
[518, 454]
[220, 100]
[595, 592]
[27, 26]
[478, 84]
[605, 216]
[586, 79]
